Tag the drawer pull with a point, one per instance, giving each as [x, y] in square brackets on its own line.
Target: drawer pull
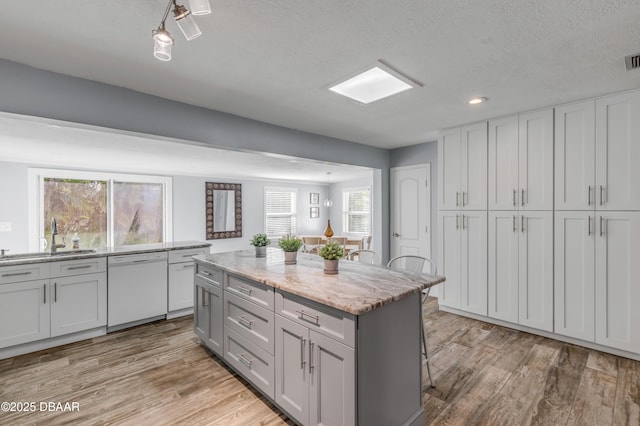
[44, 294]
[187, 266]
[302, 314]
[205, 273]
[310, 356]
[16, 274]
[244, 321]
[70, 268]
[55, 292]
[189, 255]
[244, 290]
[244, 360]
[302, 345]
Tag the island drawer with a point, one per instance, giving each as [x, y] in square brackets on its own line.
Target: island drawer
[260, 294]
[250, 321]
[338, 325]
[186, 255]
[255, 364]
[209, 273]
[78, 267]
[20, 273]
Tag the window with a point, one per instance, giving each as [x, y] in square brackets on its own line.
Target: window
[280, 211]
[356, 204]
[103, 209]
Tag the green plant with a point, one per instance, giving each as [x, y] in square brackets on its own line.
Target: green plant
[290, 243]
[260, 240]
[331, 251]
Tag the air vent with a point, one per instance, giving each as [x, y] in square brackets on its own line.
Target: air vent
[633, 62]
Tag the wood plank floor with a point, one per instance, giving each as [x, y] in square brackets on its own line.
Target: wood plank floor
[485, 374]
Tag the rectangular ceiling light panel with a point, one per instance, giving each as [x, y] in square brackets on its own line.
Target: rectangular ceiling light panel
[371, 85]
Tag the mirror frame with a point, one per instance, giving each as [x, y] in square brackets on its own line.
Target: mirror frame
[209, 188]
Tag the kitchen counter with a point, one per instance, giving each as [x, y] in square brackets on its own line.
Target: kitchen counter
[137, 249]
[357, 289]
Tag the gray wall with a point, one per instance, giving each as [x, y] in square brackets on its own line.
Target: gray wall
[420, 154]
[30, 91]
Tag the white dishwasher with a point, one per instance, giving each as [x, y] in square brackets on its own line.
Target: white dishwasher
[137, 288]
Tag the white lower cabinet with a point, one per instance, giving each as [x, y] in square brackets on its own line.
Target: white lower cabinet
[521, 267]
[78, 303]
[208, 315]
[24, 312]
[315, 375]
[180, 279]
[462, 236]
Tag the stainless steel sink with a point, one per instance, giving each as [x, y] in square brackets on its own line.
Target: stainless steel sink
[41, 255]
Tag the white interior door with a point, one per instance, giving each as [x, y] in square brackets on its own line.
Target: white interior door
[411, 210]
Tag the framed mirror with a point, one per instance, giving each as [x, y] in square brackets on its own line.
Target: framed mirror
[223, 210]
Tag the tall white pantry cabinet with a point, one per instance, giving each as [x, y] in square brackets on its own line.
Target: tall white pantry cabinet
[561, 240]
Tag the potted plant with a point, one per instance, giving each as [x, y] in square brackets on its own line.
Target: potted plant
[290, 244]
[331, 253]
[260, 241]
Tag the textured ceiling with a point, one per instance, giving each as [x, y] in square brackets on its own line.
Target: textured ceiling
[273, 60]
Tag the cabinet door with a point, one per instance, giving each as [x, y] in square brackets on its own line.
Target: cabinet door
[535, 251]
[200, 310]
[292, 377]
[24, 312]
[332, 390]
[535, 154]
[78, 303]
[449, 162]
[473, 169]
[473, 273]
[618, 152]
[575, 176]
[180, 294]
[214, 305]
[503, 265]
[617, 283]
[574, 253]
[503, 164]
[449, 257]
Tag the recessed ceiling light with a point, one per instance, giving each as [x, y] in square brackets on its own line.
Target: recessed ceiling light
[372, 85]
[478, 100]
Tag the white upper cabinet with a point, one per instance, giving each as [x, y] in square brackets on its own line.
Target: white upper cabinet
[521, 162]
[462, 160]
[575, 146]
[618, 152]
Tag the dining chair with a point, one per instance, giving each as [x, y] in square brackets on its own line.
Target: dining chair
[366, 242]
[369, 257]
[415, 264]
[311, 244]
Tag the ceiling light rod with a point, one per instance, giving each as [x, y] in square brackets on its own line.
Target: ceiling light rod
[162, 40]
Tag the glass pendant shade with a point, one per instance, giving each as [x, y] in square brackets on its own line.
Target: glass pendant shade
[162, 42]
[200, 7]
[328, 202]
[186, 23]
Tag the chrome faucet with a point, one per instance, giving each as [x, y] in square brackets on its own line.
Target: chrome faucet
[54, 232]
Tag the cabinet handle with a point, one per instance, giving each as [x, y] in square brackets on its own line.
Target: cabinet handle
[457, 199]
[246, 361]
[15, 274]
[514, 198]
[522, 198]
[457, 221]
[463, 217]
[244, 321]
[302, 345]
[514, 223]
[464, 198]
[187, 266]
[204, 273]
[589, 232]
[602, 234]
[589, 196]
[245, 290]
[44, 295]
[71, 268]
[55, 292]
[302, 314]
[204, 305]
[601, 191]
[522, 219]
[310, 356]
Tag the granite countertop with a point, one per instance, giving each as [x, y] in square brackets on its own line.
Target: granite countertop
[137, 249]
[357, 289]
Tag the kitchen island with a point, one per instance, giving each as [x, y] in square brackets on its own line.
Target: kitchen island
[326, 349]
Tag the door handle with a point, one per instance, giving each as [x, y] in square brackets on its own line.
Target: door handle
[463, 218]
[514, 223]
[522, 219]
[55, 292]
[457, 221]
[589, 231]
[457, 199]
[302, 345]
[44, 295]
[464, 198]
[602, 234]
[589, 196]
[601, 197]
[514, 198]
[522, 198]
[310, 356]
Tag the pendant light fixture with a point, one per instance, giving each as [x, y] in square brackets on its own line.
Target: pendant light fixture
[162, 40]
[328, 202]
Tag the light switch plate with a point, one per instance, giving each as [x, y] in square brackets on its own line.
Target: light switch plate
[5, 226]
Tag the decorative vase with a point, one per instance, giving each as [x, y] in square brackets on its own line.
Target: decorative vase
[261, 251]
[331, 267]
[328, 232]
[290, 257]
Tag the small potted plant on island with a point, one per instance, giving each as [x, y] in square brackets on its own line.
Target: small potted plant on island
[331, 253]
[290, 244]
[260, 241]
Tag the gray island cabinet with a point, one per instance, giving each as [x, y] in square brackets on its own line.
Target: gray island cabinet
[326, 349]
